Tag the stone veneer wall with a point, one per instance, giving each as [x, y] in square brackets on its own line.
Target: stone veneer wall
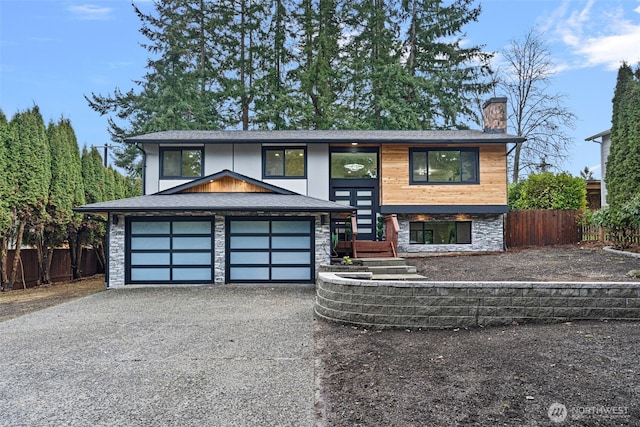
[487, 234]
[117, 241]
[400, 304]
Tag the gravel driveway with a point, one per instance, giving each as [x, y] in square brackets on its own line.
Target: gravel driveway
[187, 356]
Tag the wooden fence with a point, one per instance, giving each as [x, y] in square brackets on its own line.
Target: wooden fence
[60, 266]
[528, 228]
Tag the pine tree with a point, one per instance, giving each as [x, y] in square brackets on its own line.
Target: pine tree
[445, 78]
[623, 164]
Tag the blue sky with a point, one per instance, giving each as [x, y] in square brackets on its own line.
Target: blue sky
[52, 52]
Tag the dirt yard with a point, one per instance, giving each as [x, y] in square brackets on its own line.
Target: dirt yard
[572, 374]
[18, 301]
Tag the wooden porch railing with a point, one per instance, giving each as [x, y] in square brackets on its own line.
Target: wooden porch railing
[367, 248]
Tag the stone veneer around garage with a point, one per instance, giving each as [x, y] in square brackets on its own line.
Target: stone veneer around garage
[414, 304]
[486, 234]
[116, 276]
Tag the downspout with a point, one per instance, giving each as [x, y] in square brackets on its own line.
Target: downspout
[144, 168]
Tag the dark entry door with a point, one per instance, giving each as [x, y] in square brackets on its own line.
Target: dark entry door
[354, 182]
[364, 199]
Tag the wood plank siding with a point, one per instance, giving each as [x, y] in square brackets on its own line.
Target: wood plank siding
[396, 190]
[227, 184]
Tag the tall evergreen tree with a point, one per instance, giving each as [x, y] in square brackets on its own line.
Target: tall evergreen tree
[320, 71]
[176, 92]
[445, 77]
[623, 165]
[5, 213]
[29, 177]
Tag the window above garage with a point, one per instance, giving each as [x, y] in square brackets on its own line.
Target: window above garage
[280, 162]
[181, 162]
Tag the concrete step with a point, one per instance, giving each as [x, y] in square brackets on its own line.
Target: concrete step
[392, 269]
[371, 262]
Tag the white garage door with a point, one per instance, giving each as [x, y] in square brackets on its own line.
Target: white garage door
[270, 250]
[169, 250]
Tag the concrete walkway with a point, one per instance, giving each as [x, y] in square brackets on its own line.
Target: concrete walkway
[163, 356]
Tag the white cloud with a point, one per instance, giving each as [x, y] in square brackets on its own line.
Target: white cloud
[599, 34]
[90, 12]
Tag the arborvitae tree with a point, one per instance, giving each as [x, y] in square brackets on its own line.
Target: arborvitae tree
[65, 192]
[92, 175]
[623, 165]
[5, 213]
[29, 177]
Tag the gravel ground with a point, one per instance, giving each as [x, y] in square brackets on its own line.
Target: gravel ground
[179, 356]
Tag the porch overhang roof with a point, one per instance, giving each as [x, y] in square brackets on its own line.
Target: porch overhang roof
[217, 202]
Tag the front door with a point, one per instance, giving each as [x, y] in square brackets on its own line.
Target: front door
[354, 182]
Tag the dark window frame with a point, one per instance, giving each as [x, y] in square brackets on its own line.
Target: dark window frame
[181, 150]
[284, 162]
[426, 151]
[171, 250]
[429, 231]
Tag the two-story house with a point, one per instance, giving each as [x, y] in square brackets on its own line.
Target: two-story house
[262, 206]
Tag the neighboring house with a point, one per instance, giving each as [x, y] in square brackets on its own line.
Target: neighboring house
[605, 148]
[261, 206]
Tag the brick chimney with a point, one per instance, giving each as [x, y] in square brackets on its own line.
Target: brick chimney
[494, 115]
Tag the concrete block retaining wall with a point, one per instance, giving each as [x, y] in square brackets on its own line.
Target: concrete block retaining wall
[409, 304]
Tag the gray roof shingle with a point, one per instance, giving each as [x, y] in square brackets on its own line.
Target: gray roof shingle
[267, 202]
[324, 136]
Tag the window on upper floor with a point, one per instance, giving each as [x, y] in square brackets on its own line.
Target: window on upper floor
[181, 162]
[443, 166]
[440, 232]
[279, 162]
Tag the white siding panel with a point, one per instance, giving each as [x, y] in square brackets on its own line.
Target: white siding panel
[152, 171]
[247, 160]
[165, 184]
[297, 185]
[318, 171]
[217, 157]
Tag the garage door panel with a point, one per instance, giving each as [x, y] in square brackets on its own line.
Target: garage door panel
[241, 242]
[277, 249]
[249, 273]
[300, 257]
[249, 258]
[192, 243]
[150, 227]
[152, 258]
[150, 243]
[290, 227]
[191, 258]
[250, 227]
[291, 273]
[189, 274]
[150, 274]
[176, 250]
[192, 227]
[290, 242]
